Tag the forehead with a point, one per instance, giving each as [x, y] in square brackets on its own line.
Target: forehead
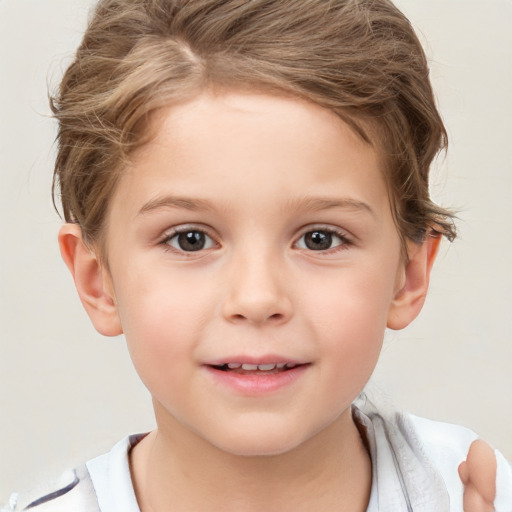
[252, 141]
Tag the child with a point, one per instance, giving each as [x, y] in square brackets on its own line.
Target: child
[245, 185]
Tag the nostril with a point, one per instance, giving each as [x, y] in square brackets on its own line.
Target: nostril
[275, 317]
[246, 308]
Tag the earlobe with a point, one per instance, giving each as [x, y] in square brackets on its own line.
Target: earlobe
[91, 280]
[410, 297]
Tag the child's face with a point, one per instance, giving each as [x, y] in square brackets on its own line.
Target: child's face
[253, 230]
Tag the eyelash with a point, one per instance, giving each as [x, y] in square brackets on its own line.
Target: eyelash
[344, 240]
[169, 236]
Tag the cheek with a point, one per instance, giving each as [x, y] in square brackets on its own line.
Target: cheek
[349, 315]
[162, 324]
[351, 304]
[154, 300]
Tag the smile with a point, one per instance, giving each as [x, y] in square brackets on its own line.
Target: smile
[249, 369]
[257, 378]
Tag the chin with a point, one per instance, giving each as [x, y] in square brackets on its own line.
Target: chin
[259, 448]
[266, 435]
[263, 443]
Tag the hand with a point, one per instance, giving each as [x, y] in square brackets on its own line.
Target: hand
[478, 474]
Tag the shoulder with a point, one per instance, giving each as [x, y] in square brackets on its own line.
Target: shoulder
[448, 445]
[444, 443]
[101, 484]
[72, 491]
[428, 453]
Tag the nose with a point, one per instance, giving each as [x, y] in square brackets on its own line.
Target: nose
[258, 292]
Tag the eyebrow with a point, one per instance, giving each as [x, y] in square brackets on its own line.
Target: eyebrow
[314, 204]
[176, 202]
[309, 204]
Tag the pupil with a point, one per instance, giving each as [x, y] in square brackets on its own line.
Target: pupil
[191, 241]
[318, 240]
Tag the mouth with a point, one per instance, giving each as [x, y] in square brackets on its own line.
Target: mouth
[257, 377]
[255, 369]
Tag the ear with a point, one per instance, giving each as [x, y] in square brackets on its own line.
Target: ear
[412, 290]
[92, 280]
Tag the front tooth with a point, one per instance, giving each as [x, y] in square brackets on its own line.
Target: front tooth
[266, 367]
[234, 366]
[280, 366]
[290, 365]
[247, 366]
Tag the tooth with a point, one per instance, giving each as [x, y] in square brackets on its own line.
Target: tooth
[234, 366]
[247, 366]
[266, 367]
[290, 365]
[280, 365]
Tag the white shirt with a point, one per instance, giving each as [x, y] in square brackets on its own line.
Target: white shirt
[414, 466]
[414, 469]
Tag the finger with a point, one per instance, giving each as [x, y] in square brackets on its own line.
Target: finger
[463, 472]
[473, 501]
[481, 470]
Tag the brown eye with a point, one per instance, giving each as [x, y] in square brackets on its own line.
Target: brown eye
[190, 241]
[320, 240]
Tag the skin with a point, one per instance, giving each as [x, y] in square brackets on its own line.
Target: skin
[478, 474]
[257, 175]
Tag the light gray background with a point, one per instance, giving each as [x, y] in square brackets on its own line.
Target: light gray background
[67, 394]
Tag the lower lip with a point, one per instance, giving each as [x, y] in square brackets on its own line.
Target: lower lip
[257, 384]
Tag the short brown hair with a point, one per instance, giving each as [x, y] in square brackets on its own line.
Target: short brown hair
[359, 58]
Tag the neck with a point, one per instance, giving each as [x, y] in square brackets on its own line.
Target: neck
[329, 472]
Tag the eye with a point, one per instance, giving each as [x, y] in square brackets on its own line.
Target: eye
[190, 240]
[321, 240]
